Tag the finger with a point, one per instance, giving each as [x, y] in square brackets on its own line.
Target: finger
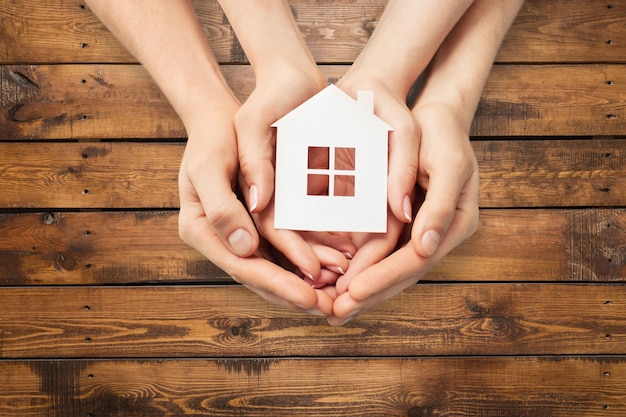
[374, 280]
[224, 213]
[330, 258]
[406, 265]
[373, 247]
[346, 307]
[271, 281]
[445, 185]
[255, 140]
[289, 243]
[373, 251]
[323, 307]
[326, 278]
[403, 152]
[403, 165]
[330, 291]
[324, 302]
[338, 241]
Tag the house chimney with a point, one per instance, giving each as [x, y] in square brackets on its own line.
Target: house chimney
[365, 100]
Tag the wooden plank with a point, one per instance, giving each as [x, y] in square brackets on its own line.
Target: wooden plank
[68, 248]
[90, 175]
[542, 245]
[566, 31]
[544, 173]
[488, 387]
[231, 321]
[66, 31]
[575, 173]
[78, 101]
[552, 100]
[98, 248]
[122, 101]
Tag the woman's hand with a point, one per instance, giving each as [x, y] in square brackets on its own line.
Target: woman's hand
[215, 222]
[448, 174]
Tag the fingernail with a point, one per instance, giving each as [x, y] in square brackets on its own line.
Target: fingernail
[407, 208]
[336, 269]
[348, 255]
[430, 241]
[241, 242]
[316, 312]
[350, 317]
[307, 274]
[254, 197]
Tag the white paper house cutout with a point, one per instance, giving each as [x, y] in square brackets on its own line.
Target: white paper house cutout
[329, 121]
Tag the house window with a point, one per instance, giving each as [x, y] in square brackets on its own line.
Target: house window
[331, 171]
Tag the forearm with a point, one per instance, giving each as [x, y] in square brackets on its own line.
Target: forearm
[405, 40]
[268, 34]
[459, 70]
[166, 37]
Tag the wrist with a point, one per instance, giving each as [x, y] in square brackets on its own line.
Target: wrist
[460, 97]
[203, 101]
[359, 78]
[445, 111]
[396, 78]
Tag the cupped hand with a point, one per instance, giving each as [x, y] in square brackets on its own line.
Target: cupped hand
[448, 174]
[213, 221]
[278, 91]
[402, 173]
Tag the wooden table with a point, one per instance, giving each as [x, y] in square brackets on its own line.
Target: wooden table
[104, 311]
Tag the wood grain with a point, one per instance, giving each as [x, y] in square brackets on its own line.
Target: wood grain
[577, 31]
[90, 175]
[55, 248]
[552, 100]
[447, 387]
[104, 311]
[41, 102]
[66, 31]
[122, 101]
[540, 245]
[232, 321]
[538, 173]
[524, 173]
[80, 248]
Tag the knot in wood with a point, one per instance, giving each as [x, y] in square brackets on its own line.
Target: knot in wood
[47, 218]
[64, 262]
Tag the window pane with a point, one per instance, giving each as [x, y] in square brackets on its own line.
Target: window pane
[317, 184]
[344, 159]
[344, 185]
[318, 157]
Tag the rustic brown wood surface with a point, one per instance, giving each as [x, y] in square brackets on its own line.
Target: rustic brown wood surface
[413, 387]
[104, 311]
[53, 248]
[524, 173]
[231, 321]
[93, 101]
[336, 31]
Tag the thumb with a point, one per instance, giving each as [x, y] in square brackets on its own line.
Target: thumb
[218, 205]
[255, 141]
[440, 206]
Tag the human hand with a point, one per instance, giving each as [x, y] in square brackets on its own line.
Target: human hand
[213, 221]
[402, 173]
[278, 91]
[370, 247]
[448, 173]
[403, 146]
